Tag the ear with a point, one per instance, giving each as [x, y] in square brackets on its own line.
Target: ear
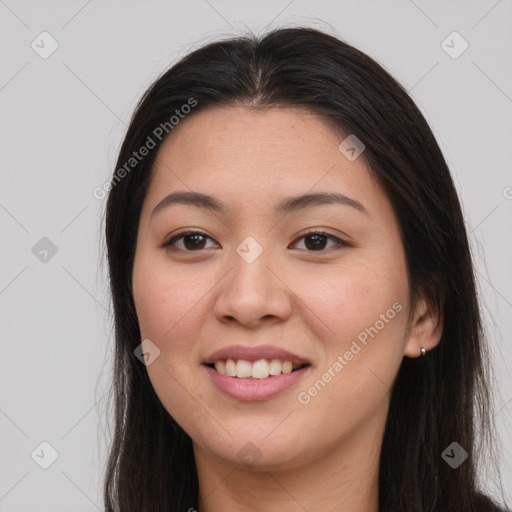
[426, 328]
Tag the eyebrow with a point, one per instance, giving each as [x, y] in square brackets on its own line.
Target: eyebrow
[286, 206]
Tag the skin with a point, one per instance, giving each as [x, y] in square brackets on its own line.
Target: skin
[323, 455]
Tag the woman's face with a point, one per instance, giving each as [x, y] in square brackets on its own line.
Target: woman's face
[254, 277]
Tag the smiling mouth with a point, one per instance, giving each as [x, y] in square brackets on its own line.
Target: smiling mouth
[256, 370]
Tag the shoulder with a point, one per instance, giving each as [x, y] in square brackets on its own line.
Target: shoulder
[485, 504]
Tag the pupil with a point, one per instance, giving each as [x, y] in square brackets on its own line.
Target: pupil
[320, 241]
[194, 245]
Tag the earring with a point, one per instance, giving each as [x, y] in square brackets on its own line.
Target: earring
[423, 351]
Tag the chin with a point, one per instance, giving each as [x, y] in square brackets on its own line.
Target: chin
[260, 453]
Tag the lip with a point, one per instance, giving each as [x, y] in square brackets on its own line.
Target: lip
[254, 354]
[255, 389]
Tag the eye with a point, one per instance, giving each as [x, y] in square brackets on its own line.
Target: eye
[315, 241]
[192, 240]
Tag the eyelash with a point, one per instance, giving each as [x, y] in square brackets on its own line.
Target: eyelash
[340, 243]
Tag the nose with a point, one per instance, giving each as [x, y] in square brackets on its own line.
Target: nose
[253, 293]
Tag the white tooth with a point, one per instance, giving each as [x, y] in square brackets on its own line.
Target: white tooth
[230, 368]
[260, 369]
[275, 367]
[220, 367]
[243, 368]
[287, 367]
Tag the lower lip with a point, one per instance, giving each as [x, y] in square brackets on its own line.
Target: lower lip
[255, 389]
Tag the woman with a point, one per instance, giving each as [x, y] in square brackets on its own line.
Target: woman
[296, 317]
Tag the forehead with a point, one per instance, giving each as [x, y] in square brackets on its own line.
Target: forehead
[245, 156]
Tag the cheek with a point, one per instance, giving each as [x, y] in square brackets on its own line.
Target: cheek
[351, 298]
[167, 307]
[164, 299]
[171, 308]
[366, 312]
[365, 307]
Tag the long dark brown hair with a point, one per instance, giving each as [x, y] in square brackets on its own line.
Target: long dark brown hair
[441, 398]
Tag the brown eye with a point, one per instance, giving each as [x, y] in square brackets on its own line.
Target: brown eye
[317, 241]
[191, 241]
[194, 241]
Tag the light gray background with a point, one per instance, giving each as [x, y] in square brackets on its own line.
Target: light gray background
[62, 120]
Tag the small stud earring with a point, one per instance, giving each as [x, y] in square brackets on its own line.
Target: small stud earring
[423, 351]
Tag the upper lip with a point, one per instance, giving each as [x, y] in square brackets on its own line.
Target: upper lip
[254, 353]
